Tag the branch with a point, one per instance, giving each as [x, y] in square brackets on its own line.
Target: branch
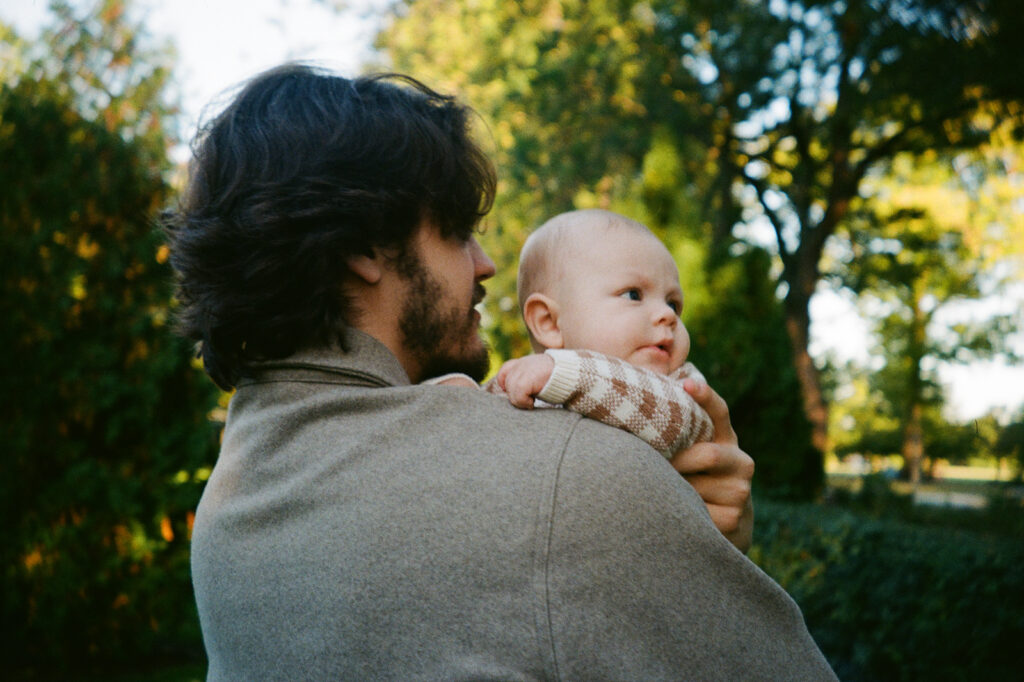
[776, 220]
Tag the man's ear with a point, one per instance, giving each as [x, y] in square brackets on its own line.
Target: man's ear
[367, 267]
[540, 313]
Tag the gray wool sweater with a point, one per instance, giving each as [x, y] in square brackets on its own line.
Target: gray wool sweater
[356, 527]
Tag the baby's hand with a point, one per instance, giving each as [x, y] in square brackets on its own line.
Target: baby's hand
[456, 380]
[523, 378]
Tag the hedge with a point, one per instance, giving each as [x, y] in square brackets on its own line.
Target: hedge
[889, 600]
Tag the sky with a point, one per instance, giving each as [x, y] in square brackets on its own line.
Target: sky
[222, 42]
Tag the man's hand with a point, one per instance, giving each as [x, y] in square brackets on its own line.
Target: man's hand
[523, 378]
[719, 471]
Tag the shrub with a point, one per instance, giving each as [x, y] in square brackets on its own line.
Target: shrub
[106, 430]
[887, 600]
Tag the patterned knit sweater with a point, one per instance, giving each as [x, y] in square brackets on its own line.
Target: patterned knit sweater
[649, 405]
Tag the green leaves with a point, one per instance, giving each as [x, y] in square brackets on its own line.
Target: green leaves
[915, 257]
[102, 406]
[879, 595]
[703, 117]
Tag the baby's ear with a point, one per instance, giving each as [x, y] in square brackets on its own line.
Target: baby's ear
[540, 313]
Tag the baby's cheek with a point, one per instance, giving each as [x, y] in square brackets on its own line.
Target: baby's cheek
[683, 343]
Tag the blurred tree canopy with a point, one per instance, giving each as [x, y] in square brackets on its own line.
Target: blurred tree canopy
[813, 96]
[709, 118]
[911, 265]
[1010, 444]
[106, 426]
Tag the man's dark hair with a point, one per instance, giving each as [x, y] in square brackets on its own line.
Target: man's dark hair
[302, 170]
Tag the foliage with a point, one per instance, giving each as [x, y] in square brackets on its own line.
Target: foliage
[911, 266]
[811, 96]
[869, 420]
[1002, 517]
[565, 123]
[738, 338]
[1010, 444]
[107, 428]
[860, 418]
[866, 420]
[706, 116]
[587, 106]
[887, 600]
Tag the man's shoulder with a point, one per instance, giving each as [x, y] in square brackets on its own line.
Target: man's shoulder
[583, 447]
[483, 410]
[490, 414]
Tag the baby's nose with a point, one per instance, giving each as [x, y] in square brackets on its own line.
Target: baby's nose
[666, 314]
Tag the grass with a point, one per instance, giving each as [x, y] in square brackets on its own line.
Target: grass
[986, 508]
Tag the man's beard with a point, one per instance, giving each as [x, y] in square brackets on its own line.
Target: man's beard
[442, 341]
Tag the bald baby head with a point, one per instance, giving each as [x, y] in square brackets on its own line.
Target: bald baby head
[554, 247]
[574, 267]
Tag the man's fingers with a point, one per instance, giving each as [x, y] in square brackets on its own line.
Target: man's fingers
[715, 406]
[725, 517]
[700, 457]
[733, 492]
[736, 524]
[714, 458]
[719, 471]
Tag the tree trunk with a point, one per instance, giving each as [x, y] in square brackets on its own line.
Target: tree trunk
[798, 328]
[913, 431]
[913, 444]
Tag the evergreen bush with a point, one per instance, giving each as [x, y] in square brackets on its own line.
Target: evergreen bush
[106, 427]
[890, 600]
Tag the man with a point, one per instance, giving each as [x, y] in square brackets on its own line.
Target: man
[360, 526]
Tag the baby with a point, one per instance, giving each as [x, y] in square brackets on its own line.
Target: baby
[604, 286]
[601, 299]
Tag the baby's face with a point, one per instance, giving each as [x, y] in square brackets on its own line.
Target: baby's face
[620, 296]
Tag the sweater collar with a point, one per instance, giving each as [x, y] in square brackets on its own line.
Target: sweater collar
[366, 359]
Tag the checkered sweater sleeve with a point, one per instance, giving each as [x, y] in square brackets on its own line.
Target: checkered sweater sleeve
[649, 405]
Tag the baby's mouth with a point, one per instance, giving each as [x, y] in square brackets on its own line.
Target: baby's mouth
[659, 348]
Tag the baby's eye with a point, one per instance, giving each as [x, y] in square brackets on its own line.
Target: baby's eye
[633, 294]
[676, 306]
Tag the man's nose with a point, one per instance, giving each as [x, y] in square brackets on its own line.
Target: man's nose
[484, 266]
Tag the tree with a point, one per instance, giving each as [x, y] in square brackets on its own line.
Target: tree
[107, 432]
[740, 342]
[565, 123]
[587, 105]
[777, 111]
[869, 418]
[861, 421]
[808, 97]
[913, 266]
[1010, 445]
